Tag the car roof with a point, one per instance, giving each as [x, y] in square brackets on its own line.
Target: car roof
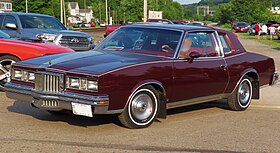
[170, 26]
[22, 13]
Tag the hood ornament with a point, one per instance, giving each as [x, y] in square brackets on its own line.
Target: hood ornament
[50, 61]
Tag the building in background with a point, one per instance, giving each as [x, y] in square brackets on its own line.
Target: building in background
[6, 6]
[78, 15]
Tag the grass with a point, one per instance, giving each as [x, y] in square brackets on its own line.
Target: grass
[275, 43]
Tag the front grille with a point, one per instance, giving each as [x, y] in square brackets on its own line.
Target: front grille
[50, 82]
[49, 103]
[74, 42]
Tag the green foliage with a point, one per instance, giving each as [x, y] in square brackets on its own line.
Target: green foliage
[244, 10]
[120, 10]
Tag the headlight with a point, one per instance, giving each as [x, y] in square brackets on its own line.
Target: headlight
[81, 84]
[73, 83]
[17, 74]
[23, 75]
[47, 37]
[92, 85]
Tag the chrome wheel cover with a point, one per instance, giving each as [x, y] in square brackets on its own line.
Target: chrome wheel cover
[142, 107]
[5, 66]
[244, 93]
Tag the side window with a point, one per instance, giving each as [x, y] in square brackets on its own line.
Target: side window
[9, 19]
[1, 21]
[202, 42]
[226, 45]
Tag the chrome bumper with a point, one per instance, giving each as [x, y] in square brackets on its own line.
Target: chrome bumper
[56, 101]
[275, 78]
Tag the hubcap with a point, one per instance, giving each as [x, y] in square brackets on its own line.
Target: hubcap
[5, 66]
[142, 107]
[244, 93]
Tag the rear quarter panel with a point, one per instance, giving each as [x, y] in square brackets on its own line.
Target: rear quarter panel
[240, 64]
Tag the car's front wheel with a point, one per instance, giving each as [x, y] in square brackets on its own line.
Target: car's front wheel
[241, 97]
[142, 108]
[5, 66]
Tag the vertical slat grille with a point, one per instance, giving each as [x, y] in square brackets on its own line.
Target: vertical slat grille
[49, 82]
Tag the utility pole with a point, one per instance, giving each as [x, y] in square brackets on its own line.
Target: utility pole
[26, 6]
[106, 3]
[99, 12]
[61, 11]
[145, 10]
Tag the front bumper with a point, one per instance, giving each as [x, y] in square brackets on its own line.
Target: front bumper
[275, 78]
[56, 101]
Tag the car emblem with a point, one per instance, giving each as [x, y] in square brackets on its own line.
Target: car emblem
[75, 40]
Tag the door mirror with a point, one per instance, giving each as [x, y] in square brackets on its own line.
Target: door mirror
[11, 26]
[194, 55]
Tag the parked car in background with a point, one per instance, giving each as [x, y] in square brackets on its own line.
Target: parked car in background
[197, 23]
[141, 70]
[183, 22]
[240, 27]
[165, 21]
[39, 27]
[91, 24]
[251, 29]
[102, 24]
[81, 25]
[12, 51]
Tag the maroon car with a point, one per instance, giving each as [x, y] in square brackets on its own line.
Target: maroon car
[139, 71]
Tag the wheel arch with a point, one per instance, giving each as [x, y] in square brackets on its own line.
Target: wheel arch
[252, 73]
[4, 54]
[161, 94]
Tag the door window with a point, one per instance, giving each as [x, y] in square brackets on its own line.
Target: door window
[202, 42]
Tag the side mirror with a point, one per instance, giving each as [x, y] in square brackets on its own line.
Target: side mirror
[11, 26]
[193, 55]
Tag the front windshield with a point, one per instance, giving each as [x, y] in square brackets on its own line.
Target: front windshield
[158, 42]
[40, 22]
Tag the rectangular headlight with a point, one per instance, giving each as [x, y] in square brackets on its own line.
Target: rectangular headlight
[81, 84]
[17, 74]
[31, 76]
[92, 85]
[74, 83]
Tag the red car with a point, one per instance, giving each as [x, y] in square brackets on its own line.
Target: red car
[240, 27]
[12, 51]
[139, 71]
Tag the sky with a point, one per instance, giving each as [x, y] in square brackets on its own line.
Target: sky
[187, 1]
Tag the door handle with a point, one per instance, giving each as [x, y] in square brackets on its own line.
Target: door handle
[224, 67]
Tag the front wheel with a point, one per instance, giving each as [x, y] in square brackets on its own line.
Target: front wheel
[142, 108]
[241, 97]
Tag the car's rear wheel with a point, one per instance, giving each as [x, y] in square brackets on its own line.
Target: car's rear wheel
[142, 108]
[6, 62]
[241, 97]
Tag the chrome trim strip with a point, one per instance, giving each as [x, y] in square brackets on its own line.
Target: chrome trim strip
[196, 101]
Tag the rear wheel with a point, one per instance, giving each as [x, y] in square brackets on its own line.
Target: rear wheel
[5, 67]
[141, 109]
[241, 97]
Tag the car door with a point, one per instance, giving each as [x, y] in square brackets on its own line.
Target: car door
[12, 32]
[206, 75]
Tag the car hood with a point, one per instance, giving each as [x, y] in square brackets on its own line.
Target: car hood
[46, 48]
[90, 62]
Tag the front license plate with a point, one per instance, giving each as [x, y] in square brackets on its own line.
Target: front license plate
[82, 109]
